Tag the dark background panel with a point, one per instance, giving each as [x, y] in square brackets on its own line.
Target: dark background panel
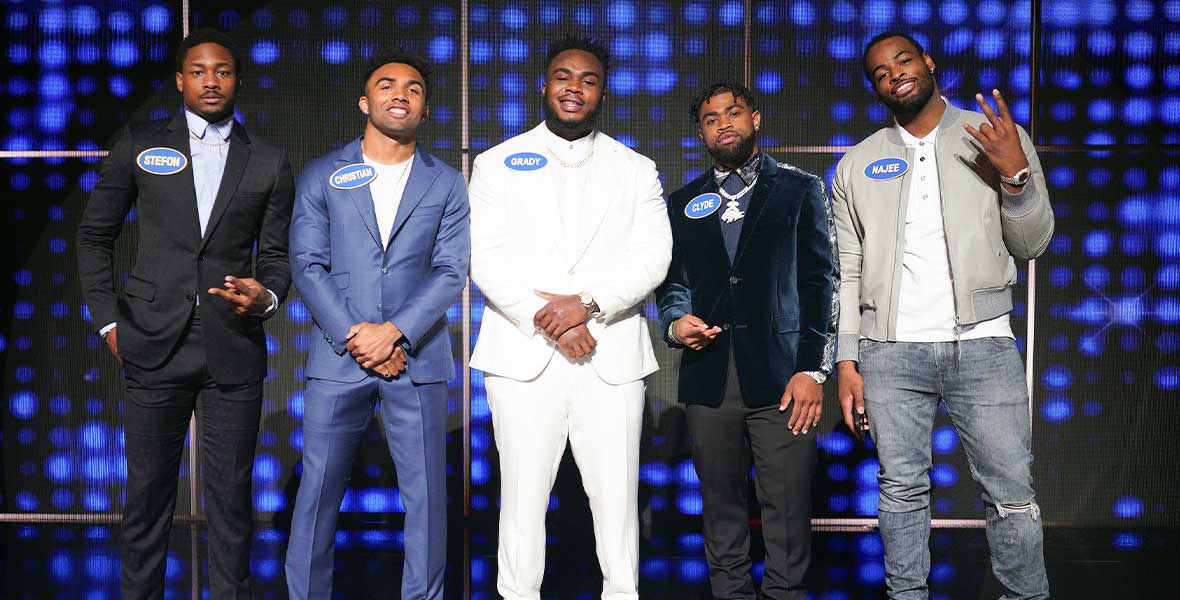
[1108, 321]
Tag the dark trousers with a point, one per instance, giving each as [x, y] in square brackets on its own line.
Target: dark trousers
[726, 440]
[155, 419]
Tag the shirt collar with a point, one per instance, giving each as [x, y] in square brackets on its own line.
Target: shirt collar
[911, 140]
[748, 171]
[567, 149]
[200, 127]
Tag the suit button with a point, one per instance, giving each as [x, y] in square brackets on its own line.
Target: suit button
[201, 258]
[378, 307]
[725, 327]
[384, 271]
[188, 297]
[734, 280]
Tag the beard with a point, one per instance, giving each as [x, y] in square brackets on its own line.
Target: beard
[735, 155]
[556, 123]
[910, 106]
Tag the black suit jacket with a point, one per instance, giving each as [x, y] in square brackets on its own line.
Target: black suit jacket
[776, 303]
[174, 264]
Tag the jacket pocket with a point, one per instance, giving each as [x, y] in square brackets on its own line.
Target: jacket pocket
[139, 288]
[786, 324]
[341, 280]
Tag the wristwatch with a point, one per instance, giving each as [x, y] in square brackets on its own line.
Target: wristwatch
[589, 304]
[819, 376]
[1020, 178]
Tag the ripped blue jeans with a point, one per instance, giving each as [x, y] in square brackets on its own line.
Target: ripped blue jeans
[981, 381]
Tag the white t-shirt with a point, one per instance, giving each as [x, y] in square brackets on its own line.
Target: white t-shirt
[926, 307]
[573, 162]
[387, 190]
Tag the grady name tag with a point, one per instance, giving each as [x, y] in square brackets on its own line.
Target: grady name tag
[351, 177]
[884, 169]
[702, 206]
[161, 161]
[525, 161]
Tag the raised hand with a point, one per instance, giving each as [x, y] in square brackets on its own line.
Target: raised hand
[999, 138]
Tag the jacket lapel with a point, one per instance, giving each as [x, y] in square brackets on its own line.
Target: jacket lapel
[361, 197]
[762, 189]
[235, 166]
[598, 200]
[186, 190]
[423, 172]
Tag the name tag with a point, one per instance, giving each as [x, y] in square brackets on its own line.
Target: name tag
[525, 161]
[884, 169]
[161, 161]
[351, 177]
[702, 206]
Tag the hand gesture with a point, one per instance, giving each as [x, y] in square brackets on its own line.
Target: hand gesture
[851, 393]
[395, 366]
[999, 138]
[560, 314]
[576, 342]
[371, 344]
[245, 295]
[694, 333]
[808, 399]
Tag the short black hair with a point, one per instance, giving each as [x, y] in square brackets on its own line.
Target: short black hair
[207, 35]
[400, 56]
[881, 37]
[585, 44]
[720, 87]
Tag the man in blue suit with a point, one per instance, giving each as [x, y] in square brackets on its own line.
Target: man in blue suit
[380, 245]
[750, 295]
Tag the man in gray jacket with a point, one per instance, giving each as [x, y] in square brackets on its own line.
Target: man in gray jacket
[931, 213]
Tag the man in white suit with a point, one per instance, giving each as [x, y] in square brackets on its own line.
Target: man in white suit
[569, 236]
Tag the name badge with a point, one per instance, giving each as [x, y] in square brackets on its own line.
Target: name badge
[161, 161]
[884, 169]
[351, 177]
[702, 206]
[525, 161]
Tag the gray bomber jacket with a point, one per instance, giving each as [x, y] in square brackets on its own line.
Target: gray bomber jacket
[986, 229]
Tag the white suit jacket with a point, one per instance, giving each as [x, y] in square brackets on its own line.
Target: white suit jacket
[517, 247]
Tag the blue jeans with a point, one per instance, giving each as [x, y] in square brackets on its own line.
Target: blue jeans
[982, 383]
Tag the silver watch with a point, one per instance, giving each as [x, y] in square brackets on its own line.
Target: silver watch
[1020, 178]
[819, 376]
[588, 303]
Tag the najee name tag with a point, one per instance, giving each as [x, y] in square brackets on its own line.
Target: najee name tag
[525, 161]
[702, 206]
[161, 161]
[351, 177]
[884, 169]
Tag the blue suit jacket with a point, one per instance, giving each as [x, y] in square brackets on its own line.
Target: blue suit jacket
[776, 302]
[345, 276]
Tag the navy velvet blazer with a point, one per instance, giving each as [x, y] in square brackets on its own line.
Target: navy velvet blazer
[776, 303]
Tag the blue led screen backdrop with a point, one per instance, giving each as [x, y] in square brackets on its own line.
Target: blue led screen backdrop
[1097, 84]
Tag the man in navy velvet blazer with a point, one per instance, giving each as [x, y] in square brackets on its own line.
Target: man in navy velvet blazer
[750, 296]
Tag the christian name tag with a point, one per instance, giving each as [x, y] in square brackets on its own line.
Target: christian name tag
[702, 206]
[351, 177]
[161, 161]
[884, 169]
[525, 161]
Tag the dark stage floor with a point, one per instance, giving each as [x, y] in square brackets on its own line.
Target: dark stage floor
[81, 561]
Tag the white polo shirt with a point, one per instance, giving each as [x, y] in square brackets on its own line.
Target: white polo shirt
[926, 307]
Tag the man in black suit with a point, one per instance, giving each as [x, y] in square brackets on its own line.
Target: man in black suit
[750, 295]
[187, 327]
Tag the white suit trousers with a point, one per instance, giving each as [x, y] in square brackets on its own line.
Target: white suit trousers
[533, 420]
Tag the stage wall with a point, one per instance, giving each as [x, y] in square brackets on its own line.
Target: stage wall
[1096, 82]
